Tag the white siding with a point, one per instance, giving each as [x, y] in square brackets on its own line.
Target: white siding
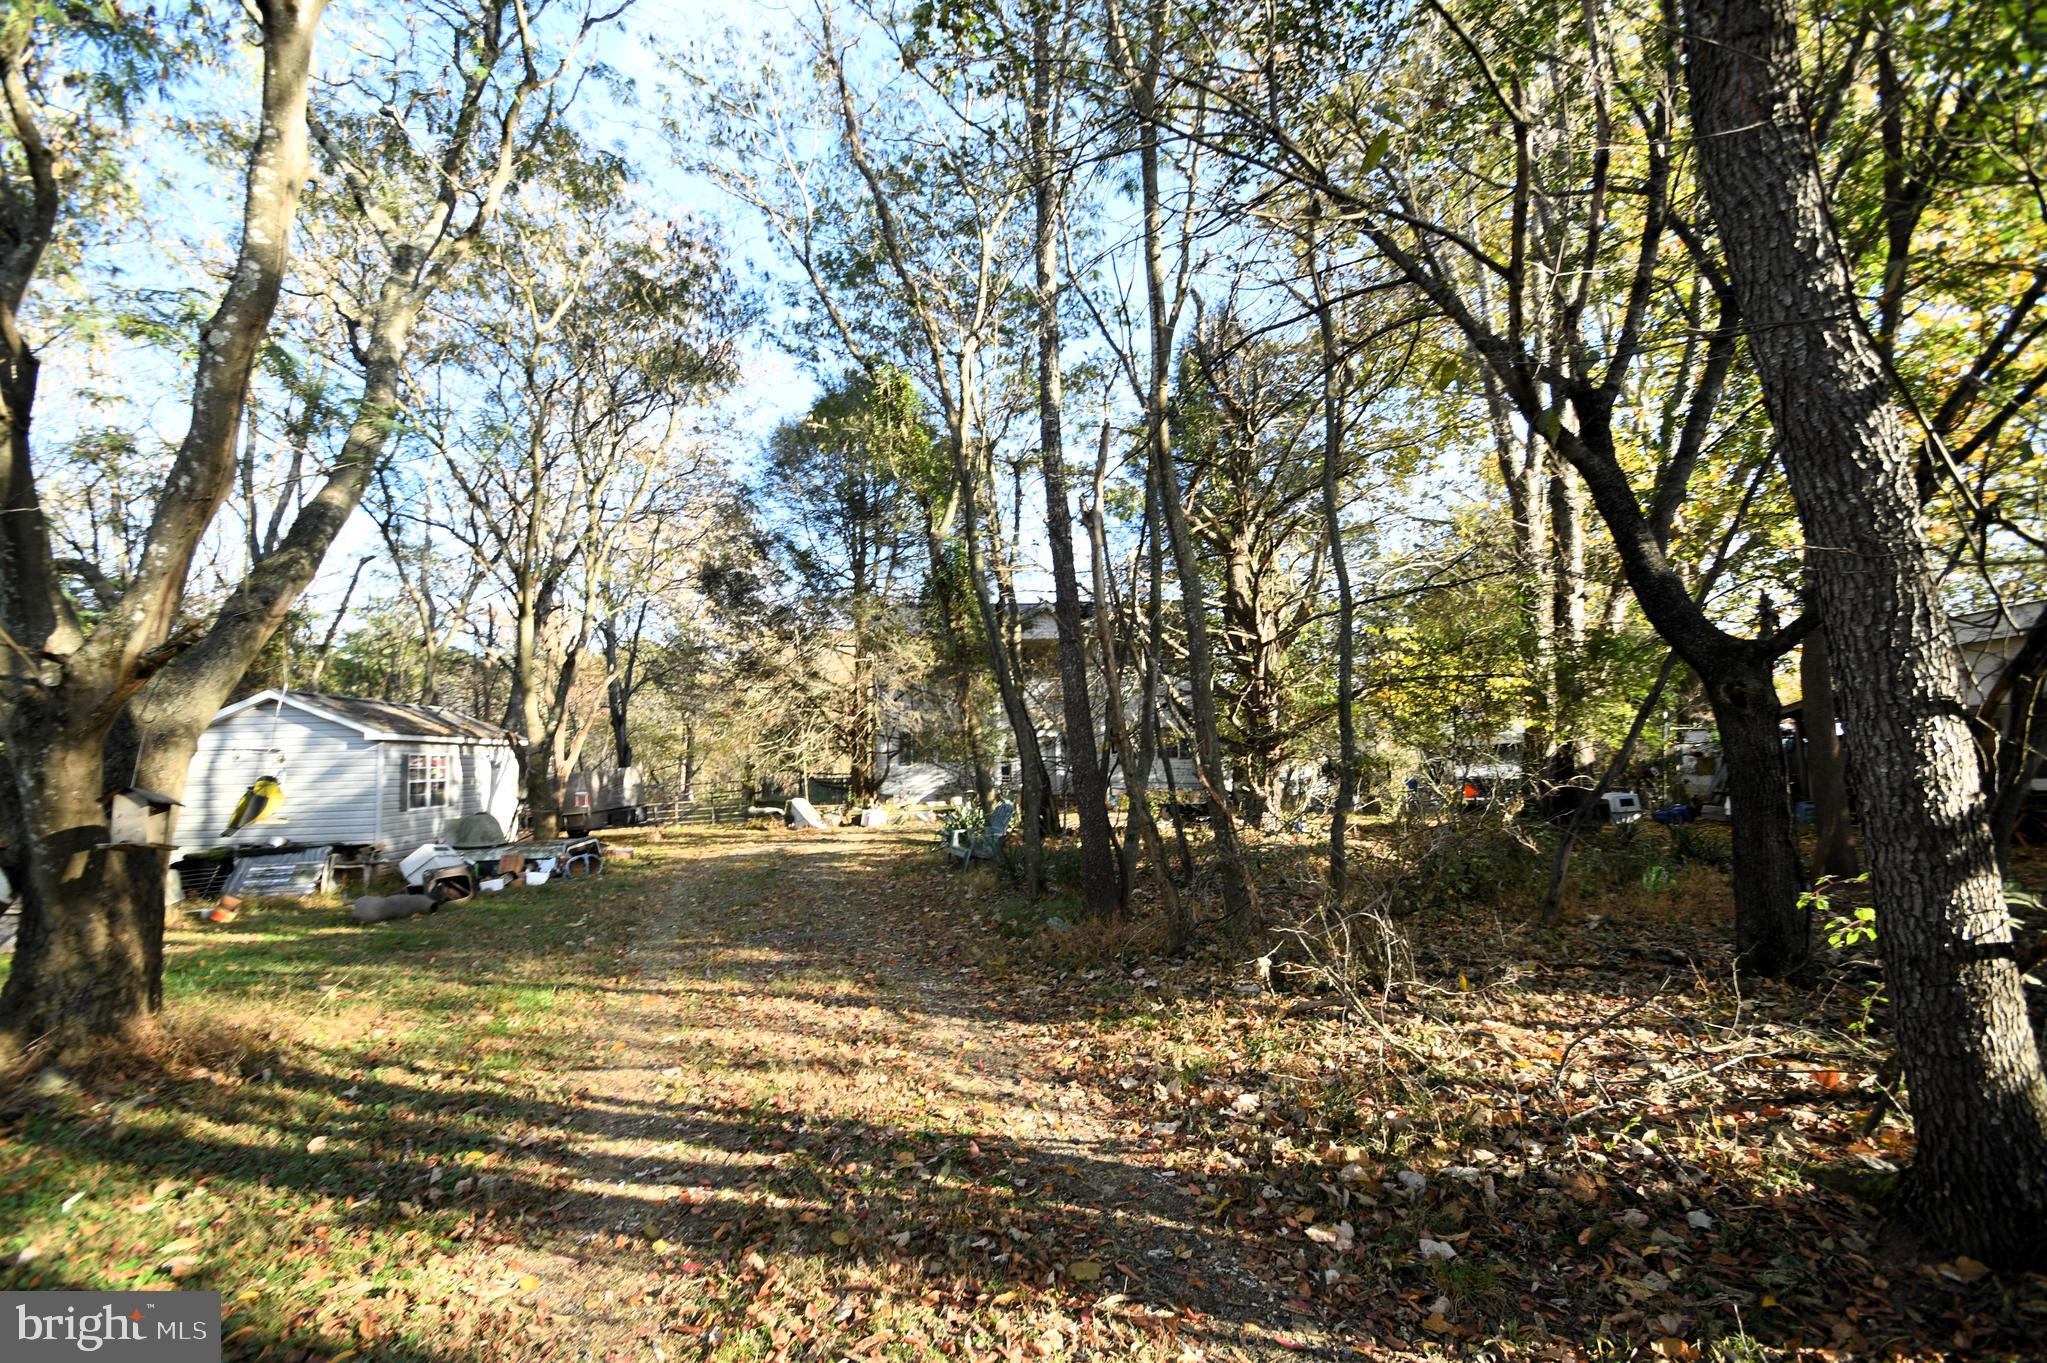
[326, 770]
[475, 783]
[338, 785]
[490, 783]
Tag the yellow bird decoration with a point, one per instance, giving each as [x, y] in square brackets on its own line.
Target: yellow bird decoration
[263, 800]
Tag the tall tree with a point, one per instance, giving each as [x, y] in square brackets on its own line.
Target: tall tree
[1517, 286]
[1141, 50]
[424, 175]
[1051, 36]
[582, 479]
[919, 222]
[1334, 393]
[1978, 1093]
[1246, 412]
[89, 963]
[839, 485]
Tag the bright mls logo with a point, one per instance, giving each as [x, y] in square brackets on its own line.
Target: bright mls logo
[110, 1327]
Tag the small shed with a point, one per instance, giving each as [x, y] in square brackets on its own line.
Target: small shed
[354, 771]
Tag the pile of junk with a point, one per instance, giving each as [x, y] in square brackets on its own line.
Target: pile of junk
[477, 859]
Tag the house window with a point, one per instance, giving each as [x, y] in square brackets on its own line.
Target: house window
[426, 781]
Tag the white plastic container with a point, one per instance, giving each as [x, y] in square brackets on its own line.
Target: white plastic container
[1622, 806]
[493, 885]
[429, 856]
[537, 876]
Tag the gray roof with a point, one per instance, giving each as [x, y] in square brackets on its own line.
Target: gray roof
[2008, 622]
[410, 721]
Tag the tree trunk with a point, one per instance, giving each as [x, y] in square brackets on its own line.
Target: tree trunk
[1977, 1090]
[2013, 751]
[1346, 605]
[1030, 765]
[543, 807]
[88, 967]
[173, 710]
[88, 964]
[1154, 681]
[1240, 899]
[618, 694]
[1770, 929]
[1137, 777]
[2018, 760]
[1101, 884]
[1521, 458]
[1571, 755]
[1142, 828]
[1826, 776]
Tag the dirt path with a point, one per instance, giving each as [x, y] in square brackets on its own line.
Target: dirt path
[808, 1126]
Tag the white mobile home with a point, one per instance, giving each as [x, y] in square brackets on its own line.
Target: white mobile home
[353, 771]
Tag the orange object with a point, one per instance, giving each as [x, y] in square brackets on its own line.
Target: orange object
[230, 903]
[223, 914]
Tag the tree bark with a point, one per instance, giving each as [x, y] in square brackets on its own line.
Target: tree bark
[1978, 1094]
[1826, 777]
[1771, 933]
[88, 966]
[1346, 604]
[1101, 884]
[1240, 899]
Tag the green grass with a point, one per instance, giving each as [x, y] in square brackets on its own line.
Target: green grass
[342, 1096]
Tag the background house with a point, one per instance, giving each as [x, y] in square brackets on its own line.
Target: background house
[353, 771]
[1990, 639]
[911, 771]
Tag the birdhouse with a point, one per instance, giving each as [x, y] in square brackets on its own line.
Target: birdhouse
[140, 818]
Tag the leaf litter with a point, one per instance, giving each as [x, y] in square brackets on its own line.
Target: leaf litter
[795, 1098]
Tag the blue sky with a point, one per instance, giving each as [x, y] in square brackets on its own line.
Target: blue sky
[191, 215]
[774, 387]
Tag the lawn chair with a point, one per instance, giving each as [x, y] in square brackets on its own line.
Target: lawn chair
[966, 846]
